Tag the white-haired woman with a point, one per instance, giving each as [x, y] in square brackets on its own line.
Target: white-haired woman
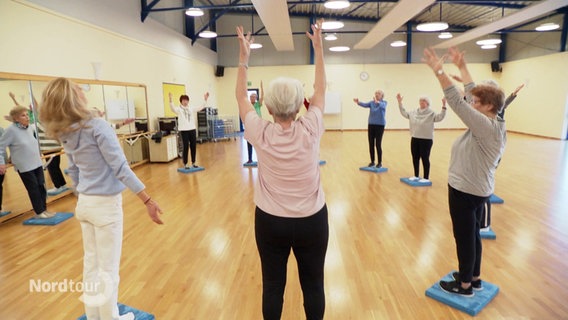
[100, 172]
[422, 132]
[291, 213]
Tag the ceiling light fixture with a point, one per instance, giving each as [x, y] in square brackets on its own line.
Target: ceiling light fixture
[337, 4]
[208, 34]
[332, 25]
[194, 12]
[489, 46]
[445, 35]
[547, 26]
[339, 49]
[432, 26]
[330, 37]
[255, 45]
[488, 42]
[398, 43]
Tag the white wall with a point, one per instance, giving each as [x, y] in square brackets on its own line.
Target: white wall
[40, 41]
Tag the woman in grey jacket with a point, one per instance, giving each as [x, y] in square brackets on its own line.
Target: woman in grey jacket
[474, 159]
[422, 131]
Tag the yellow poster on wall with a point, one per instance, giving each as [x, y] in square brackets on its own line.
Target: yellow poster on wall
[176, 90]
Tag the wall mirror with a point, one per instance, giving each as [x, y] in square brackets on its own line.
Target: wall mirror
[123, 105]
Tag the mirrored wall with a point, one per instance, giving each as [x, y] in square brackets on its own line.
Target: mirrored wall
[123, 105]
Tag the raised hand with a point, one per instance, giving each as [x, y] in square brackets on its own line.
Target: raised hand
[457, 57]
[432, 59]
[399, 98]
[244, 45]
[315, 36]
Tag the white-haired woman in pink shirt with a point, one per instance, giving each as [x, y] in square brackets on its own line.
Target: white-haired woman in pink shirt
[290, 205]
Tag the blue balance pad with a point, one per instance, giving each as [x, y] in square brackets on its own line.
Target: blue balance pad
[416, 183]
[322, 162]
[5, 213]
[250, 164]
[190, 170]
[495, 199]
[489, 234]
[123, 309]
[471, 305]
[57, 192]
[374, 169]
[57, 219]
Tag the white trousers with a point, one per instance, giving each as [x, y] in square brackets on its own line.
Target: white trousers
[101, 221]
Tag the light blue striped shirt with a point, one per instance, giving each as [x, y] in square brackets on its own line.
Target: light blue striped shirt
[97, 164]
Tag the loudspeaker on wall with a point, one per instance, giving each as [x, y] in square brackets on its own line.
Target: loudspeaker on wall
[219, 71]
[495, 67]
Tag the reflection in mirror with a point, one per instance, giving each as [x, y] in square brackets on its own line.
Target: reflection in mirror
[14, 194]
[119, 107]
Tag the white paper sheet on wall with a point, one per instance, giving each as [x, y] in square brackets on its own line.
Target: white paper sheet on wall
[332, 102]
[119, 109]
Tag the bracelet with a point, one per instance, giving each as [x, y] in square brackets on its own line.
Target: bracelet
[147, 200]
[241, 64]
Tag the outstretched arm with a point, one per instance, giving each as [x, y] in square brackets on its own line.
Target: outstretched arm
[261, 98]
[400, 107]
[241, 89]
[318, 99]
[458, 58]
[13, 96]
[205, 98]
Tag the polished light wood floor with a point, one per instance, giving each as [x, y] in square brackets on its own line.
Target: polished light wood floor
[388, 242]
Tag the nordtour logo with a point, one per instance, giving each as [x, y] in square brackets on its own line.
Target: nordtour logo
[94, 293]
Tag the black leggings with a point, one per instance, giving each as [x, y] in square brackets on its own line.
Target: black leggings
[466, 220]
[420, 149]
[308, 238]
[249, 147]
[485, 214]
[34, 181]
[1, 189]
[375, 136]
[55, 172]
[188, 139]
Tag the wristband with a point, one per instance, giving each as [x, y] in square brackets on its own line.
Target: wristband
[241, 64]
[147, 200]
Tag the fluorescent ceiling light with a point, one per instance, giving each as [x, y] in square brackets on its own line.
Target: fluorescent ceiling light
[547, 26]
[398, 43]
[432, 26]
[336, 4]
[445, 35]
[489, 46]
[339, 49]
[255, 45]
[330, 37]
[488, 41]
[207, 34]
[194, 12]
[332, 25]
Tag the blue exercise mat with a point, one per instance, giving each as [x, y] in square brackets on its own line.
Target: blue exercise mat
[190, 170]
[495, 199]
[57, 219]
[123, 309]
[250, 164]
[472, 305]
[489, 234]
[374, 169]
[322, 162]
[5, 213]
[57, 192]
[416, 183]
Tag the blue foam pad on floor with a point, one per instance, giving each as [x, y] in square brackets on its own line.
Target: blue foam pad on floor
[251, 164]
[58, 192]
[416, 183]
[374, 169]
[495, 199]
[472, 305]
[123, 309]
[5, 213]
[489, 234]
[322, 162]
[190, 170]
[57, 219]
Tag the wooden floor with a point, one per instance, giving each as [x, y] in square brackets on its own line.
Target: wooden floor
[388, 242]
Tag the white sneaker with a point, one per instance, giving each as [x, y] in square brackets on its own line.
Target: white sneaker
[413, 178]
[127, 316]
[423, 180]
[487, 229]
[52, 190]
[45, 215]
